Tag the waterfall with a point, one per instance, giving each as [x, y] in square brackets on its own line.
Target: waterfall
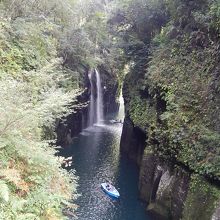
[96, 115]
[99, 102]
[92, 110]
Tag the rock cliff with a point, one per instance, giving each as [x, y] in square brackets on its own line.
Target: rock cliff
[169, 187]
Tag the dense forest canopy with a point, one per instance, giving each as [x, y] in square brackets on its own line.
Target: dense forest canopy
[170, 49]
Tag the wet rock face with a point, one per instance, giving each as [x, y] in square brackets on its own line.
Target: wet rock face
[146, 177]
[163, 188]
[132, 141]
[73, 124]
[172, 192]
[110, 89]
[179, 192]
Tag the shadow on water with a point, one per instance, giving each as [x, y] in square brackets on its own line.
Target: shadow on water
[97, 159]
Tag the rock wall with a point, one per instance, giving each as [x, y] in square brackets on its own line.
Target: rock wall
[110, 89]
[172, 96]
[132, 141]
[163, 186]
[170, 190]
[71, 126]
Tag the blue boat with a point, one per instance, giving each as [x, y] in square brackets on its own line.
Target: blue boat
[110, 190]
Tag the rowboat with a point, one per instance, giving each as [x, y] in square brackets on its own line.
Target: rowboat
[110, 190]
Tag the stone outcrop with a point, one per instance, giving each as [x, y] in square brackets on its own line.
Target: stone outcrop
[169, 190]
[132, 141]
[110, 89]
[74, 123]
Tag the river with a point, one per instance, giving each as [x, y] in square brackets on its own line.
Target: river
[97, 158]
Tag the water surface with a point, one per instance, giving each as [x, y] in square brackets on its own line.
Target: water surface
[96, 159]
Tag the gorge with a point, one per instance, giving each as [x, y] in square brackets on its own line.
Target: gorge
[120, 91]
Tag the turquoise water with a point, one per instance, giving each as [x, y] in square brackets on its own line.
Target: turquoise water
[97, 159]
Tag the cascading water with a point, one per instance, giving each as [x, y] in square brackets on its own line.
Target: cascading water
[92, 106]
[99, 101]
[121, 111]
[96, 115]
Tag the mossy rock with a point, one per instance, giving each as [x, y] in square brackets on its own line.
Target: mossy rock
[201, 200]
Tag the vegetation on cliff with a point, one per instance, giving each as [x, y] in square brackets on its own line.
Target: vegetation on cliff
[172, 90]
[172, 95]
[35, 91]
[45, 47]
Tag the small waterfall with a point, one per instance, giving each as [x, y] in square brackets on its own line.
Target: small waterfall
[96, 115]
[121, 111]
[99, 102]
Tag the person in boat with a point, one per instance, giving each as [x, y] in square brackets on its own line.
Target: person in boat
[108, 187]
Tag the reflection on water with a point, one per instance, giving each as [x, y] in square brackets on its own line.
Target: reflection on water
[96, 159]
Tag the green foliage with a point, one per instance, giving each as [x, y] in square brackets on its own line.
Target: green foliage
[202, 196]
[45, 49]
[36, 90]
[181, 75]
[138, 112]
[35, 178]
[141, 113]
[172, 89]
[214, 13]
